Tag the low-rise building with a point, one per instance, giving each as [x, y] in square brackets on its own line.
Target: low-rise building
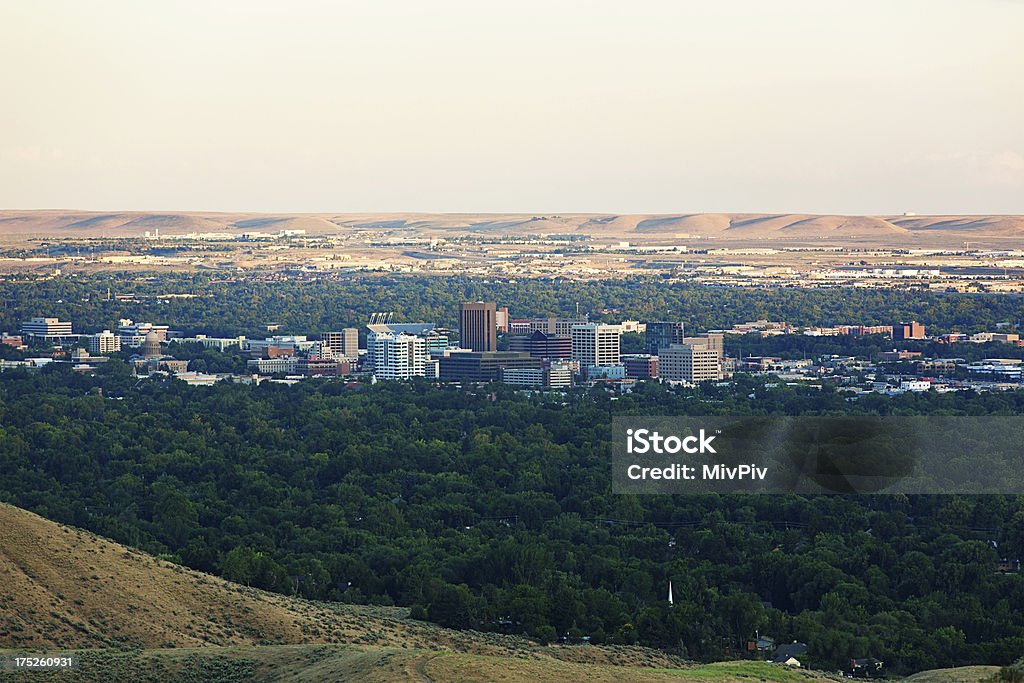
[483, 366]
[273, 366]
[599, 372]
[14, 341]
[47, 329]
[218, 343]
[641, 366]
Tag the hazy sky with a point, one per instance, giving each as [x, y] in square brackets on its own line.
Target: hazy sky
[847, 106]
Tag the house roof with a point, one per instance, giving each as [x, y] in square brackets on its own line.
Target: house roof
[784, 652]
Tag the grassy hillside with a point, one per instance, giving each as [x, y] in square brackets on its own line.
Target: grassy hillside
[130, 616]
[315, 663]
[62, 587]
[962, 674]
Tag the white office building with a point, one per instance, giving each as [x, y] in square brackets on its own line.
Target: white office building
[46, 329]
[399, 356]
[131, 332]
[104, 342]
[559, 376]
[273, 366]
[219, 343]
[594, 344]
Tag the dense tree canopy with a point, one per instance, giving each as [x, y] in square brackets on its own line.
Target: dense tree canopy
[492, 509]
[231, 307]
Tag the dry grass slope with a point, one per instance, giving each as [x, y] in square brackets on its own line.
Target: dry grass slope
[133, 617]
[963, 674]
[62, 587]
[316, 663]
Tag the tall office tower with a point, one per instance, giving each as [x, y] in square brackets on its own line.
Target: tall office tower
[911, 330]
[712, 340]
[399, 356]
[661, 335]
[594, 344]
[556, 326]
[344, 344]
[689, 363]
[478, 330]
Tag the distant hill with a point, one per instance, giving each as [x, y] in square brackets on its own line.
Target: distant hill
[636, 227]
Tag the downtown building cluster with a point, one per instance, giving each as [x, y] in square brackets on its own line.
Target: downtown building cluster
[545, 353]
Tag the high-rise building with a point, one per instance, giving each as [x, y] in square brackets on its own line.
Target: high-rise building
[661, 335]
[557, 326]
[104, 342]
[344, 344]
[437, 343]
[434, 342]
[543, 345]
[399, 356]
[911, 330]
[478, 329]
[46, 329]
[712, 340]
[689, 363]
[594, 344]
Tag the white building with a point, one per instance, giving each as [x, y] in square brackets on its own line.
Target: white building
[523, 377]
[594, 344]
[198, 379]
[273, 366]
[689, 363]
[46, 328]
[219, 343]
[556, 376]
[104, 342]
[133, 330]
[559, 376]
[399, 356]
